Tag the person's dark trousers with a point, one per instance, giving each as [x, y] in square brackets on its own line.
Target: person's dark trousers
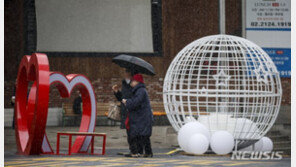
[129, 140]
[146, 144]
[123, 116]
[134, 144]
[137, 141]
[13, 118]
[140, 145]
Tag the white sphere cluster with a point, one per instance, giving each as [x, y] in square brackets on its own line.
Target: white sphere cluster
[195, 138]
[225, 82]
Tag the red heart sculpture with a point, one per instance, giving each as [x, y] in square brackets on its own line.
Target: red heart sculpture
[31, 114]
[30, 119]
[65, 85]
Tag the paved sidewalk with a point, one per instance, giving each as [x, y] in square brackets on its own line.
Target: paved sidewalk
[160, 159]
[163, 141]
[162, 137]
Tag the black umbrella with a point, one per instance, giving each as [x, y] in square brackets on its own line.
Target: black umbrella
[134, 64]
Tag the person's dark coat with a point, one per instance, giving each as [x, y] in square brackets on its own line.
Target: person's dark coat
[140, 114]
[77, 105]
[125, 93]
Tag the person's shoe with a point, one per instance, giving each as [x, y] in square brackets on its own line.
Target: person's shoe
[132, 155]
[148, 155]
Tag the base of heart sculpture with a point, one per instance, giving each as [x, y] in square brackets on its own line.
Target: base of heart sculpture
[31, 109]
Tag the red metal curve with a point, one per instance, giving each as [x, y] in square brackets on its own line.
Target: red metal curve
[31, 116]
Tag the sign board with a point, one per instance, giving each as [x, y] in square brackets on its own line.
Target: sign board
[268, 24]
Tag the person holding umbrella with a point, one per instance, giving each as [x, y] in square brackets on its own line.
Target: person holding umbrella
[136, 140]
[126, 92]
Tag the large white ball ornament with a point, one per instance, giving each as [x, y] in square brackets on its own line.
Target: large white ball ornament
[226, 83]
[198, 144]
[190, 129]
[267, 144]
[222, 142]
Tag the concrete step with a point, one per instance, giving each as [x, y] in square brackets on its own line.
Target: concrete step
[286, 150]
[273, 133]
[279, 138]
[281, 144]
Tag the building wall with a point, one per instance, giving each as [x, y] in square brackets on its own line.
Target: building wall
[13, 45]
[182, 22]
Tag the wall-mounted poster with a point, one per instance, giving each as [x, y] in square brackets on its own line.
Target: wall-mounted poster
[268, 23]
[94, 26]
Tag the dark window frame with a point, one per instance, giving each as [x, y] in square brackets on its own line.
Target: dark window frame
[30, 34]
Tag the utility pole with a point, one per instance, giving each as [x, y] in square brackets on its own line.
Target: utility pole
[222, 16]
[244, 18]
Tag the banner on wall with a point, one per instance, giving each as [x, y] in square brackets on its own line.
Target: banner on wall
[268, 24]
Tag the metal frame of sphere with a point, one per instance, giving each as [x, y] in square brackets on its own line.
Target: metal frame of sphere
[226, 83]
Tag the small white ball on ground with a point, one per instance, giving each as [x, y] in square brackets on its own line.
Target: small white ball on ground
[197, 144]
[267, 144]
[190, 129]
[222, 142]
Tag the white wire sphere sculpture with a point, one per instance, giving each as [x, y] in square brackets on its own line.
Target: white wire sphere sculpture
[226, 83]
